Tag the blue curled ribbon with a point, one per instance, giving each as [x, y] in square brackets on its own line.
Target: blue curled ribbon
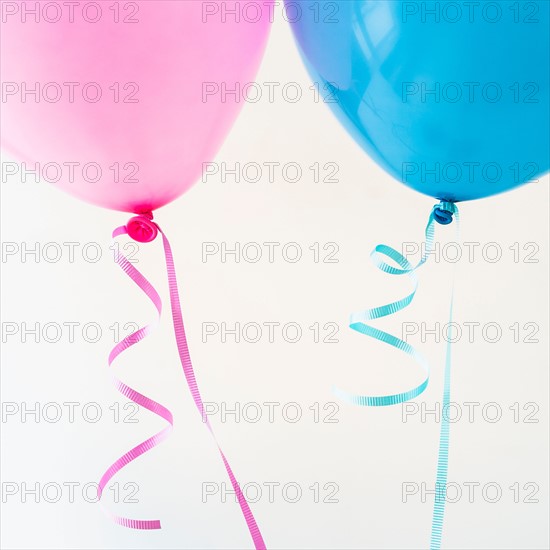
[442, 213]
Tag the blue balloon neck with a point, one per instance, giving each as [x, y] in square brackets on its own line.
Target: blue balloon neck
[443, 212]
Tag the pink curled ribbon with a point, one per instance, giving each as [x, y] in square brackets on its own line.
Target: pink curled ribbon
[143, 229]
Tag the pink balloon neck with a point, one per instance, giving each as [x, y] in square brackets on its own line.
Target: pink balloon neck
[142, 228]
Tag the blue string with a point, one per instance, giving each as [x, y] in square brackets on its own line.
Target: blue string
[443, 214]
[443, 454]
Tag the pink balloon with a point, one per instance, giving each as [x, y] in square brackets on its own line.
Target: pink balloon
[129, 93]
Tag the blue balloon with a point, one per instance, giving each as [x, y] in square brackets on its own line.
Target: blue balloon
[449, 97]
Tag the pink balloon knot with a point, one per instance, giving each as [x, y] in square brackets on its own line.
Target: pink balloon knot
[142, 228]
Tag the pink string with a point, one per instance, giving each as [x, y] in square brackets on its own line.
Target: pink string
[185, 359]
[133, 395]
[155, 407]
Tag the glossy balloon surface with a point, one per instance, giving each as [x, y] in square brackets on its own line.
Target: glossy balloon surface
[122, 103]
[450, 98]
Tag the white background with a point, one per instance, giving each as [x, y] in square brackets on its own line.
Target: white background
[368, 453]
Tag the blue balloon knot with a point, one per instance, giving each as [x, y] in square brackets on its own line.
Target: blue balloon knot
[443, 212]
